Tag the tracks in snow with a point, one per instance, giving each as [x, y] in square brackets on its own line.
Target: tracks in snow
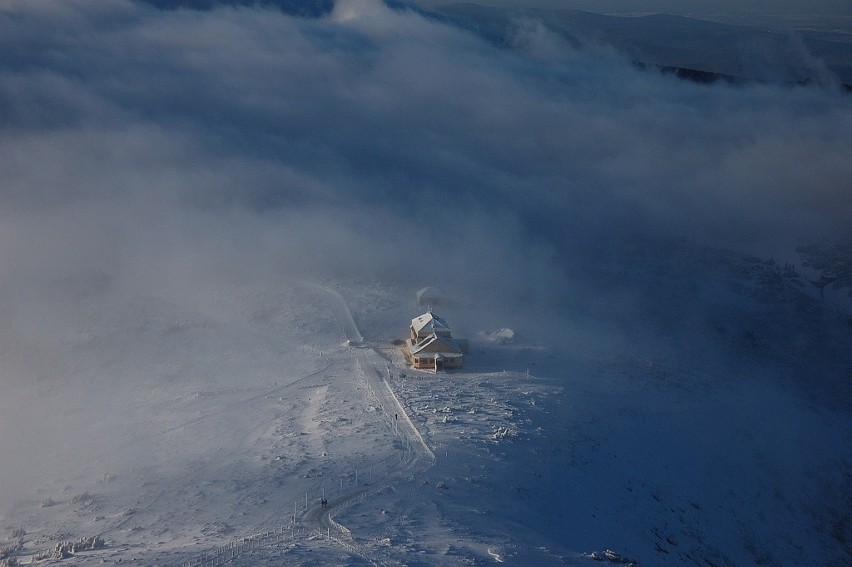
[344, 315]
[416, 457]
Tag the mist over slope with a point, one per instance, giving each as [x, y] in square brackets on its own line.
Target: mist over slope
[160, 166]
[783, 52]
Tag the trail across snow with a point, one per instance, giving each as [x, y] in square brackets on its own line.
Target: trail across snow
[317, 520]
[417, 456]
[344, 315]
[234, 429]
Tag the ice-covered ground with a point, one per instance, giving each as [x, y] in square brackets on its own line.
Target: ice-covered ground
[216, 429]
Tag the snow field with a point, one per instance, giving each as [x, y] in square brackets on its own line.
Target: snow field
[532, 456]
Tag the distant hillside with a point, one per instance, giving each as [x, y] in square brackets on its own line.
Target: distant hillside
[301, 8]
[695, 49]
[802, 56]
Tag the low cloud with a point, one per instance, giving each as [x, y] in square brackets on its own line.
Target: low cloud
[153, 152]
[379, 141]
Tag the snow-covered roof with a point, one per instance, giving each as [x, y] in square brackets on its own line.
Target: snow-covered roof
[428, 355]
[446, 346]
[430, 322]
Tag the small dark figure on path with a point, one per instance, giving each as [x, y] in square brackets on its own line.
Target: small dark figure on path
[396, 416]
[324, 503]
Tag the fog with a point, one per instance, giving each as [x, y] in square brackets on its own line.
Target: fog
[181, 154]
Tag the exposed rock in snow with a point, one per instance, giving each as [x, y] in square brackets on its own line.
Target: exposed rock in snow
[610, 556]
[500, 336]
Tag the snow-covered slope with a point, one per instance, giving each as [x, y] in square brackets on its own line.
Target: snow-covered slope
[212, 228]
[533, 454]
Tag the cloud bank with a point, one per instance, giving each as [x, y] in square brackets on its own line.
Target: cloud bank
[153, 152]
[161, 146]
[376, 114]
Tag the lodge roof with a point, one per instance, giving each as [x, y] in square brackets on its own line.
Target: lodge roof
[429, 322]
[445, 345]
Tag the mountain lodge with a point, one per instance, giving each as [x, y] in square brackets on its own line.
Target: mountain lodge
[431, 345]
